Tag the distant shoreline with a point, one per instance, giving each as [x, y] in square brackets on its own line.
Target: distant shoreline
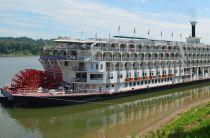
[23, 46]
[19, 55]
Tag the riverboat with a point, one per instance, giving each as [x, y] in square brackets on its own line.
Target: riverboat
[96, 69]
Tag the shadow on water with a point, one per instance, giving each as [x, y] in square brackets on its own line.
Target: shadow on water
[112, 118]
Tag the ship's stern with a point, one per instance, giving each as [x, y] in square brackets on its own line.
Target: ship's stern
[6, 94]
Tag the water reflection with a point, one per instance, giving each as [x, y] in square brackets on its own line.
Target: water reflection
[115, 120]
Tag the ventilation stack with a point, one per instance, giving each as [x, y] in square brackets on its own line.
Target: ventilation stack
[193, 39]
[193, 23]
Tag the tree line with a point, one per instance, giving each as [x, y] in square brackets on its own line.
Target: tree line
[22, 46]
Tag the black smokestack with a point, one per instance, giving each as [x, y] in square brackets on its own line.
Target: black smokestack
[193, 23]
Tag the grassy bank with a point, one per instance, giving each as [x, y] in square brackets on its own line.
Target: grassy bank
[193, 124]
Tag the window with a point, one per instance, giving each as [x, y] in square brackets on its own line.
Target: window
[66, 63]
[96, 76]
[126, 84]
[136, 75]
[101, 66]
[127, 75]
[151, 73]
[145, 74]
[164, 72]
[91, 65]
[120, 76]
[97, 66]
[108, 76]
[111, 76]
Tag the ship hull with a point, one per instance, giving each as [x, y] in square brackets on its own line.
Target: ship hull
[44, 101]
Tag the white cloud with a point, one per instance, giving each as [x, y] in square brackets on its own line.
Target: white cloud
[91, 17]
[15, 33]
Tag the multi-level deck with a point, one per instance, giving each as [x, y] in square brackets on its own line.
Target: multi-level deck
[122, 64]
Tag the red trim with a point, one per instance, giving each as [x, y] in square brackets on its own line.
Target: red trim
[139, 78]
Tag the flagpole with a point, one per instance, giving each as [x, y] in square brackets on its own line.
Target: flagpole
[119, 33]
[119, 30]
[96, 35]
[134, 31]
[181, 37]
[148, 33]
[109, 38]
[119, 37]
[172, 36]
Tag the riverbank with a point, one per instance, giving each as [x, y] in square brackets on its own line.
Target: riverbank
[189, 121]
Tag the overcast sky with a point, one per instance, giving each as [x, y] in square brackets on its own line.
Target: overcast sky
[53, 18]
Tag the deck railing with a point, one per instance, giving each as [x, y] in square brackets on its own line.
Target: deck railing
[80, 79]
[123, 59]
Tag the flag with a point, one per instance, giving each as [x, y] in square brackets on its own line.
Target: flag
[161, 33]
[172, 34]
[109, 36]
[119, 28]
[148, 32]
[134, 31]
[180, 35]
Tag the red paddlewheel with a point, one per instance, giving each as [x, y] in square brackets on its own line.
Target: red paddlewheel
[28, 79]
[31, 79]
[52, 82]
